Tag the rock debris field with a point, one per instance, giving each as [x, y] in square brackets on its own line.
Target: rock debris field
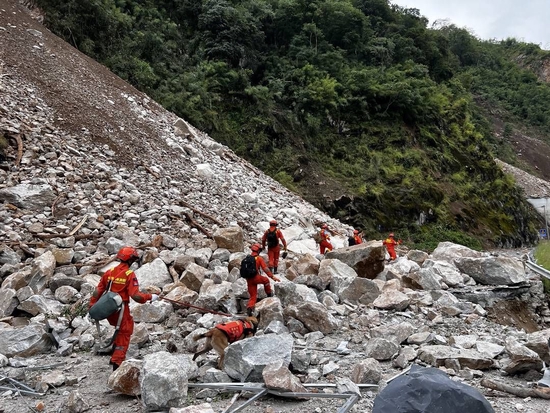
[90, 165]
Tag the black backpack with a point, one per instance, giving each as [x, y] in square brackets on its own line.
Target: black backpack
[272, 239]
[248, 267]
[351, 241]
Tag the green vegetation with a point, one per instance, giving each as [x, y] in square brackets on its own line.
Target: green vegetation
[542, 255]
[358, 94]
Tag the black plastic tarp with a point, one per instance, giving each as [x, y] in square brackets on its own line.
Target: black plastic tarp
[429, 390]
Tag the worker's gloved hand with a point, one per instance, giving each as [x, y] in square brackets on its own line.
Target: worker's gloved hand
[276, 279]
[154, 297]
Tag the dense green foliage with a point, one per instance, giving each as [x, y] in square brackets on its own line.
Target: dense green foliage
[356, 93]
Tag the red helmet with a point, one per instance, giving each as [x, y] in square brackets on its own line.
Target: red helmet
[127, 253]
[355, 231]
[256, 247]
[391, 234]
[273, 223]
[324, 226]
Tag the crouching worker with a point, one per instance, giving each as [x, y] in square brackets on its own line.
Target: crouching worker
[251, 267]
[113, 293]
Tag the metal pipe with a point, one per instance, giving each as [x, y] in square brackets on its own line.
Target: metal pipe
[348, 404]
[249, 401]
[300, 395]
[24, 392]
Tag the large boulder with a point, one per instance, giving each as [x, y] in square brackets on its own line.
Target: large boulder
[25, 341]
[154, 273]
[42, 270]
[29, 196]
[493, 270]
[163, 382]
[366, 259]
[314, 316]
[231, 238]
[246, 359]
[448, 251]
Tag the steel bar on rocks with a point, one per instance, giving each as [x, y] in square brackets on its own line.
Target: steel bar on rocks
[252, 385]
[361, 386]
[19, 387]
[232, 402]
[351, 398]
[249, 401]
[302, 395]
[261, 391]
[349, 403]
[399, 374]
[228, 386]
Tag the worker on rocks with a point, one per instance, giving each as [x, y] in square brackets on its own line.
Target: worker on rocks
[122, 281]
[324, 235]
[357, 239]
[271, 237]
[390, 244]
[251, 268]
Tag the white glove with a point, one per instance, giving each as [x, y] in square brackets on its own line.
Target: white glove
[154, 297]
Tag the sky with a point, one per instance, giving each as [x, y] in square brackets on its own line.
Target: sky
[526, 20]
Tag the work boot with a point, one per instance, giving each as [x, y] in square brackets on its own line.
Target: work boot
[275, 270]
[115, 366]
[271, 269]
[249, 311]
[270, 294]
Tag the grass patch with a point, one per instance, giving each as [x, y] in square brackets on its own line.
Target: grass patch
[542, 255]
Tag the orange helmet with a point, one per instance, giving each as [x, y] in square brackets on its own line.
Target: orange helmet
[355, 231]
[324, 226]
[256, 247]
[127, 254]
[391, 234]
[273, 223]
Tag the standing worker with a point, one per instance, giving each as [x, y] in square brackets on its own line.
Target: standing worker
[272, 236]
[253, 280]
[357, 237]
[325, 245]
[122, 280]
[390, 244]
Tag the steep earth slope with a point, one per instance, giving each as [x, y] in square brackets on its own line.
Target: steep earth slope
[90, 124]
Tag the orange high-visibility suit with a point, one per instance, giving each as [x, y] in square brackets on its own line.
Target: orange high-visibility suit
[390, 244]
[273, 252]
[124, 283]
[358, 239]
[325, 244]
[235, 329]
[252, 283]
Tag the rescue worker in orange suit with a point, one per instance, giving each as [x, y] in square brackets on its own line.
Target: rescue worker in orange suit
[272, 236]
[252, 283]
[357, 237]
[390, 244]
[325, 245]
[122, 280]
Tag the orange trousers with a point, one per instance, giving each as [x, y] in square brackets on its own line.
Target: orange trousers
[122, 340]
[325, 245]
[252, 284]
[273, 254]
